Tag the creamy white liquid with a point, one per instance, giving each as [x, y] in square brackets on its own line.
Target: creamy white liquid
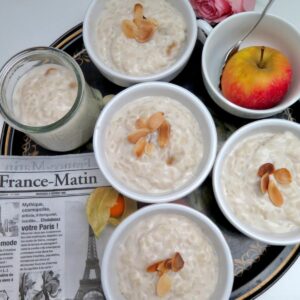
[151, 173]
[44, 95]
[128, 55]
[241, 185]
[157, 238]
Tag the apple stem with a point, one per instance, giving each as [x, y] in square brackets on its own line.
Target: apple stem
[261, 64]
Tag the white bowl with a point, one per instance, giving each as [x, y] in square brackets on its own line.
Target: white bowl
[272, 32]
[119, 78]
[186, 98]
[109, 267]
[270, 125]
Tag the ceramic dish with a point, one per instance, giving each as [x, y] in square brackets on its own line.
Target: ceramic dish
[119, 78]
[264, 234]
[110, 258]
[272, 32]
[192, 104]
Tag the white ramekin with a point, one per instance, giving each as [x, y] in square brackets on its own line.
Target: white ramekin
[186, 98]
[109, 272]
[270, 125]
[119, 78]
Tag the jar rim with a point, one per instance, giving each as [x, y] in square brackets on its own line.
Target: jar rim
[16, 59]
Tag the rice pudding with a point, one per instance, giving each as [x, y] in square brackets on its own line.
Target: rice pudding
[156, 238]
[52, 103]
[44, 95]
[134, 56]
[162, 167]
[242, 186]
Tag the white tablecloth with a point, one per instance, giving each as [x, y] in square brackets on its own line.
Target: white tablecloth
[27, 23]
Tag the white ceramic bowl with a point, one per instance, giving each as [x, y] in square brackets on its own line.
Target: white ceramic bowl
[270, 125]
[191, 102]
[273, 32]
[119, 78]
[109, 272]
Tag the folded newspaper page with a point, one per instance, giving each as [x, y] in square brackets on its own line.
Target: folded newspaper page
[47, 249]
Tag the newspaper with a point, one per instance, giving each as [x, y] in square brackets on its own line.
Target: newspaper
[47, 250]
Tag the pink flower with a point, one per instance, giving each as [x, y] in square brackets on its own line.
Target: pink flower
[214, 11]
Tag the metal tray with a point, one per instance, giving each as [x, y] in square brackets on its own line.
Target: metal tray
[256, 265]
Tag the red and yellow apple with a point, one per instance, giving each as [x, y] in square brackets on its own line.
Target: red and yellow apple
[256, 77]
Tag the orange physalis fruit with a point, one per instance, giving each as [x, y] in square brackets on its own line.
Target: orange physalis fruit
[118, 209]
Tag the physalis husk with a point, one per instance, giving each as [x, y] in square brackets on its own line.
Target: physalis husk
[99, 206]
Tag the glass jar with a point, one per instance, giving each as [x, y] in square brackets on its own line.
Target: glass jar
[66, 133]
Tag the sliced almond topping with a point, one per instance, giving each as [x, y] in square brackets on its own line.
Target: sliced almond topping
[274, 194]
[134, 137]
[153, 268]
[177, 262]
[154, 125]
[164, 134]
[129, 28]
[140, 28]
[138, 11]
[265, 168]
[139, 147]
[140, 123]
[142, 21]
[283, 176]
[155, 121]
[163, 285]
[264, 183]
[174, 264]
[170, 48]
[49, 71]
[161, 268]
[145, 31]
[168, 264]
[149, 148]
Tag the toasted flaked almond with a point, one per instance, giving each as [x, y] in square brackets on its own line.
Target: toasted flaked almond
[170, 48]
[141, 21]
[155, 121]
[134, 137]
[168, 264]
[138, 11]
[139, 147]
[153, 268]
[274, 194]
[50, 71]
[163, 285]
[140, 123]
[177, 262]
[129, 28]
[265, 168]
[283, 176]
[161, 268]
[145, 31]
[164, 134]
[73, 85]
[140, 28]
[149, 148]
[264, 183]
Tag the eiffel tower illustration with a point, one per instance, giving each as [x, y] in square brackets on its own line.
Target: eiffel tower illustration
[90, 285]
[1, 226]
